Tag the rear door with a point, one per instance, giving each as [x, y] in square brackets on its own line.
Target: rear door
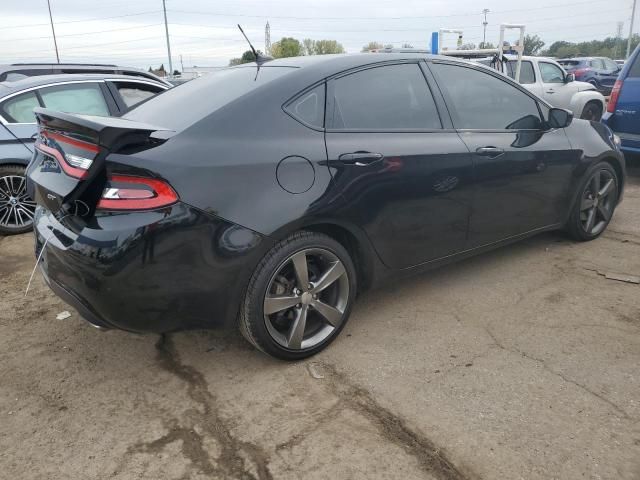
[521, 172]
[402, 173]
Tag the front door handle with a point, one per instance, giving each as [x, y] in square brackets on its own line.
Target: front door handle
[360, 159]
[490, 152]
[551, 90]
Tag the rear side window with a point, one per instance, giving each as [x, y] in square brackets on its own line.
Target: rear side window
[133, 93]
[527, 74]
[19, 109]
[83, 98]
[181, 107]
[569, 63]
[309, 107]
[481, 101]
[634, 69]
[596, 63]
[391, 97]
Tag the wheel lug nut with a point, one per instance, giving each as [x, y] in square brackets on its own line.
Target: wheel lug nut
[310, 286]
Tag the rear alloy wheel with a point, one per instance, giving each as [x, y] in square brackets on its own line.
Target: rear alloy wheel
[592, 111]
[300, 296]
[594, 208]
[16, 208]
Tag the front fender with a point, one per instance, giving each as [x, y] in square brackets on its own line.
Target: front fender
[580, 99]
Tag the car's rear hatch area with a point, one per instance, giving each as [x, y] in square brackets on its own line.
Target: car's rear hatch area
[67, 174]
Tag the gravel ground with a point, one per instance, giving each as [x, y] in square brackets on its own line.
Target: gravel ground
[521, 363]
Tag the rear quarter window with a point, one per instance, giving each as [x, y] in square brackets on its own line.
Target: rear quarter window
[182, 106]
[634, 69]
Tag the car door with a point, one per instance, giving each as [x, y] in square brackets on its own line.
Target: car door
[402, 174]
[18, 118]
[554, 88]
[521, 171]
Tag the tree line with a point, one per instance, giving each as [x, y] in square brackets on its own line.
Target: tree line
[291, 47]
[611, 47]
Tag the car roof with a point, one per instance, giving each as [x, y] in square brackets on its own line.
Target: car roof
[13, 86]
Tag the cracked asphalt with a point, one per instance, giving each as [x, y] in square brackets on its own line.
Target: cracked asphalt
[519, 364]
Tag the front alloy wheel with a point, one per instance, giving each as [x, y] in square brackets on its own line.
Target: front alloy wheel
[17, 209]
[299, 297]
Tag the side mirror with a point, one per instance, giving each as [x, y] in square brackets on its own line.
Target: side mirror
[569, 77]
[559, 118]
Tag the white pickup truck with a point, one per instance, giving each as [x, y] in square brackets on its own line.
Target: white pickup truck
[548, 80]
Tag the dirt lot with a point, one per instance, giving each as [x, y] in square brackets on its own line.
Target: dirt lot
[522, 363]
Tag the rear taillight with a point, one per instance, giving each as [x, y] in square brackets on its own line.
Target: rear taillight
[124, 192]
[74, 165]
[615, 94]
[578, 72]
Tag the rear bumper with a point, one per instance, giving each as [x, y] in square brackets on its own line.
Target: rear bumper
[158, 271]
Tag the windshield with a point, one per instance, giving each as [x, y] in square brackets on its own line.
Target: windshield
[182, 106]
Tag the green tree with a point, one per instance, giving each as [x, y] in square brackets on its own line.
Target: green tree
[247, 57]
[321, 47]
[486, 45]
[286, 47]
[372, 46]
[532, 44]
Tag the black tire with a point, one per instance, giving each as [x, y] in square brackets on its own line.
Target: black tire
[9, 222]
[252, 320]
[577, 225]
[592, 111]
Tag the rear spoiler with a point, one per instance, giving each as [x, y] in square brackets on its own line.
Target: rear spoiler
[113, 133]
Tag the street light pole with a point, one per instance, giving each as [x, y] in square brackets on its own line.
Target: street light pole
[55, 43]
[484, 25]
[166, 29]
[633, 14]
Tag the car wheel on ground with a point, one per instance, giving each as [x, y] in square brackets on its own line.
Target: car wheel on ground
[299, 298]
[592, 111]
[16, 208]
[594, 207]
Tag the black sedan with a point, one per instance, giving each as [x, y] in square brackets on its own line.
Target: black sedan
[267, 196]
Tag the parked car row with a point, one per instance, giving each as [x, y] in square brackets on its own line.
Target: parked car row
[24, 87]
[601, 72]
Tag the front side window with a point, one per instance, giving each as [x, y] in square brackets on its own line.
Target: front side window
[391, 97]
[610, 65]
[19, 109]
[481, 101]
[527, 74]
[309, 107]
[83, 98]
[551, 73]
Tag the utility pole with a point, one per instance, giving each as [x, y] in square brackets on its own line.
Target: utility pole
[55, 43]
[181, 64]
[633, 14]
[619, 28]
[166, 29]
[484, 26]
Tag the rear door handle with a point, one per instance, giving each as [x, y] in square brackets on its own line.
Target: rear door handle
[490, 152]
[551, 90]
[360, 159]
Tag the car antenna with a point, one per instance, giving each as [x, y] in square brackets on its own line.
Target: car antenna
[260, 59]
